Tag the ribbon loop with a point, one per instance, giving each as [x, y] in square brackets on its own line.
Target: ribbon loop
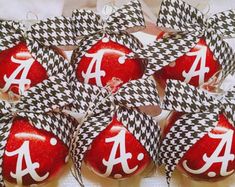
[180, 16]
[183, 97]
[10, 35]
[57, 31]
[223, 23]
[136, 93]
[127, 18]
[86, 22]
[49, 95]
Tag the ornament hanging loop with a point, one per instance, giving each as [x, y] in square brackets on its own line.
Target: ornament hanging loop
[214, 83]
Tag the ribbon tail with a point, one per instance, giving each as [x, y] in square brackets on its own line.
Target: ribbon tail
[52, 93]
[83, 138]
[84, 45]
[222, 52]
[144, 128]
[182, 97]
[127, 18]
[5, 126]
[48, 57]
[168, 49]
[136, 93]
[190, 128]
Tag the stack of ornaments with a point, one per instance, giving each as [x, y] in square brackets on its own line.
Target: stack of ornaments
[103, 107]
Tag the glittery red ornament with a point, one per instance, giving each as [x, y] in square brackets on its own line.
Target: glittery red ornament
[19, 71]
[32, 156]
[104, 61]
[196, 67]
[116, 153]
[213, 156]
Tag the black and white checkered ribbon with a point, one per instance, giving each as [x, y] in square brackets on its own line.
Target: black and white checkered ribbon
[116, 27]
[38, 105]
[202, 110]
[162, 52]
[12, 33]
[180, 16]
[86, 23]
[101, 106]
[85, 28]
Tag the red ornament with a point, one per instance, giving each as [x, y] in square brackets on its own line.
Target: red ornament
[32, 156]
[196, 67]
[116, 153]
[213, 156]
[104, 61]
[19, 71]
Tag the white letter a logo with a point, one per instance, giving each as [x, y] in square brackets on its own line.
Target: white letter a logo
[24, 154]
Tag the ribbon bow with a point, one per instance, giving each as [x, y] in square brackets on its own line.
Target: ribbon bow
[12, 33]
[38, 105]
[101, 106]
[128, 17]
[85, 28]
[65, 31]
[202, 108]
[180, 16]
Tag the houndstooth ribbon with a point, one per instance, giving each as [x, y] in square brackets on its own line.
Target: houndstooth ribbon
[162, 52]
[101, 106]
[85, 28]
[180, 16]
[13, 33]
[38, 105]
[65, 31]
[202, 108]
